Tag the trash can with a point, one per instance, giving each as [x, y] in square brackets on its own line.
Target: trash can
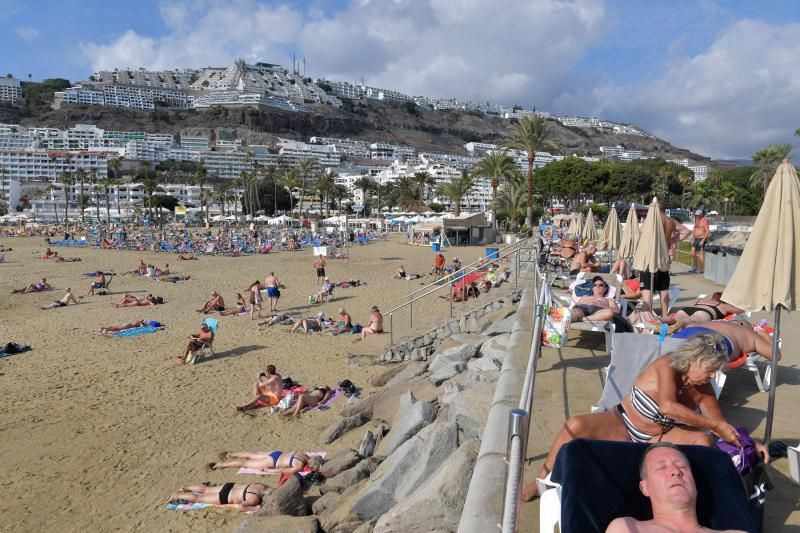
[493, 253]
[436, 247]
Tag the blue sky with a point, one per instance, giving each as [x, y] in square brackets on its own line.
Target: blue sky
[712, 76]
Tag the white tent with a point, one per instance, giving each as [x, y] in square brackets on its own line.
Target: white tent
[261, 218]
[217, 218]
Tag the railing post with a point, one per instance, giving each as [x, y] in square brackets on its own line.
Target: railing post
[518, 422]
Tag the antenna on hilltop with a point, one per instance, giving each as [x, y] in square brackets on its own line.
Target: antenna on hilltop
[304, 66]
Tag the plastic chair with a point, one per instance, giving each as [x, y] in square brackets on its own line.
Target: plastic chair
[208, 347]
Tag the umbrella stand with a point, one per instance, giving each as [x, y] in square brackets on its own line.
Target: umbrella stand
[773, 379]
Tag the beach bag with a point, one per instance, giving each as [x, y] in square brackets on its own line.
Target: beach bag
[288, 383]
[743, 458]
[287, 401]
[356, 329]
[555, 330]
[756, 485]
[347, 387]
[102, 291]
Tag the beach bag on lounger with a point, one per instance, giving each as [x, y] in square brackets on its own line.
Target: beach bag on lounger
[555, 329]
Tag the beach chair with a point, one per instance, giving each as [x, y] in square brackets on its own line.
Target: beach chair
[213, 326]
[569, 501]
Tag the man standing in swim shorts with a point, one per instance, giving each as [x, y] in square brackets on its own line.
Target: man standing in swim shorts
[319, 264]
[699, 237]
[273, 291]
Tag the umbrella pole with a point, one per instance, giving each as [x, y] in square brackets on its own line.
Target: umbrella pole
[773, 378]
[652, 282]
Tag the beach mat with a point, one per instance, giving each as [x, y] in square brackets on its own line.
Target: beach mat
[174, 506]
[135, 332]
[265, 471]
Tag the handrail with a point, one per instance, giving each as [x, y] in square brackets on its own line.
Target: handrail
[463, 273]
[440, 281]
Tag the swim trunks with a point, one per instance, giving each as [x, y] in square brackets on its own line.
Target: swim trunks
[660, 280]
[273, 292]
[320, 272]
[696, 243]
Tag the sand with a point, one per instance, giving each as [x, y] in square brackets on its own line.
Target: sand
[97, 432]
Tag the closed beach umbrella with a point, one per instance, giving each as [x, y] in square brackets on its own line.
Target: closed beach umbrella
[768, 272]
[630, 236]
[612, 232]
[589, 230]
[574, 226]
[652, 252]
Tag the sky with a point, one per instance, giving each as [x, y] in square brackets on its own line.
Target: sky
[717, 77]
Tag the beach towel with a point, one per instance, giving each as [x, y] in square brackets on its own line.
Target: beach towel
[174, 506]
[135, 332]
[265, 471]
[13, 348]
[324, 405]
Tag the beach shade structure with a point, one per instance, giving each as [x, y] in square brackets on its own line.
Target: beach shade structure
[574, 226]
[612, 232]
[767, 276]
[630, 236]
[589, 230]
[652, 252]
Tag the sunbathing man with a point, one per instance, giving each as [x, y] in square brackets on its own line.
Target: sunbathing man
[311, 324]
[266, 390]
[344, 324]
[34, 287]
[236, 496]
[276, 319]
[596, 307]
[129, 300]
[63, 302]
[667, 480]
[215, 303]
[141, 269]
[58, 259]
[704, 310]
[240, 309]
[317, 396]
[175, 278]
[374, 324]
[99, 282]
[110, 330]
[48, 254]
[288, 462]
[273, 291]
[186, 258]
[162, 271]
[196, 342]
[739, 337]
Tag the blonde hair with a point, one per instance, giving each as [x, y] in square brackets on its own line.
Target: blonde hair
[699, 349]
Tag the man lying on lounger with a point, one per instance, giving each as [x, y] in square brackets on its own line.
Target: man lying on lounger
[667, 480]
[596, 307]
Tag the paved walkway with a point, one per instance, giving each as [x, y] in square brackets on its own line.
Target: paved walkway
[569, 386]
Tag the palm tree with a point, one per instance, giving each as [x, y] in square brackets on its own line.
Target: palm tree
[106, 183]
[325, 185]
[304, 169]
[256, 197]
[767, 160]
[67, 180]
[291, 181]
[199, 178]
[221, 194]
[496, 165]
[52, 188]
[405, 193]
[457, 189]
[271, 174]
[150, 185]
[511, 203]
[531, 134]
[81, 176]
[364, 184]
[340, 192]
[422, 180]
[3, 173]
[97, 189]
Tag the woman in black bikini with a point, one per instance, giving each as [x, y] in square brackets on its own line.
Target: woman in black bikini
[704, 310]
[238, 496]
[290, 462]
[309, 399]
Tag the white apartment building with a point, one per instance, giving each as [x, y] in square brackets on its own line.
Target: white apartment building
[10, 90]
[121, 96]
[236, 98]
[227, 164]
[347, 147]
[700, 172]
[292, 152]
[480, 149]
[681, 162]
[48, 165]
[620, 153]
[195, 143]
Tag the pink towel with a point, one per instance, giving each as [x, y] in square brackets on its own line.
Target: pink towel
[265, 471]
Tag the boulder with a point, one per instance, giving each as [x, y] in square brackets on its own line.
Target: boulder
[502, 326]
[339, 462]
[287, 499]
[339, 512]
[284, 524]
[387, 406]
[346, 479]
[446, 372]
[367, 446]
[472, 325]
[438, 503]
[444, 356]
[483, 370]
[470, 409]
[451, 390]
[381, 379]
[324, 502]
[499, 312]
[343, 426]
[412, 415]
[495, 347]
[405, 470]
[366, 527]
[346, 527]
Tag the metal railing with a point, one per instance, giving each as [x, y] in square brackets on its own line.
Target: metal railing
[434, 287]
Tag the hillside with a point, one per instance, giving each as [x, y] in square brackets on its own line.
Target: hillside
[436, 131]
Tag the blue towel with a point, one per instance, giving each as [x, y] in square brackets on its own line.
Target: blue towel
[135, 332]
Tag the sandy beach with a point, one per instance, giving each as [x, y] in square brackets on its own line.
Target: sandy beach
[98, 431]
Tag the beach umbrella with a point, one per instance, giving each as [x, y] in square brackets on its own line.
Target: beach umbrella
[612, 232]
[574, 226]
[652, 252]
[768, 271]
[589, 230]
[630, 236]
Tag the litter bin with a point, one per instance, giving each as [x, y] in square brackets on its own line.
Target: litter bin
[436, 247]
[493, 253]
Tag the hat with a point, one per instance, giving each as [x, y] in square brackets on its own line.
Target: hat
[698, 212]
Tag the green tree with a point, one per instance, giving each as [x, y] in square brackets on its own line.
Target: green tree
[510, 203]
[326, 183]
[81, 177]
[365, 184]
[767, 160]
[291, 181]
[67, 181]
[496, 166]
[405, 193]
[531, 134]
[340, 193]
[457, 189]
[422, 180]
[305, 167]
[107, 183]
[199, 178]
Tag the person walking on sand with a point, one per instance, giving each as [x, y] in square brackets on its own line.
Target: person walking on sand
[273, 291]
[699, 238]
[255, 299]
[319, 264]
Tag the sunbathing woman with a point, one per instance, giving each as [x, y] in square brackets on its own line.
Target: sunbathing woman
[34, 287]
[186, 258]
[272, 320]
[317, 396]
[237, 496]
[289, 462]
[240, 309]
[175, 278]
[703, 310]
[129, 300]
[662, 406]
[108, 330]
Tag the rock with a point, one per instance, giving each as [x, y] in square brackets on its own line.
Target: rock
[498, 312]
[405, 470]
[339, 513]
[339, 462]
[470, 408]
[326, 501]
[496, 348]
[384, 378]
[451, 390]
[439, 501]
[467, 338]
[286, 499]
[347, 479]
[386, 406]
[366, 527]
[482, 370]
[458, 353]
[367, 446]
[412, 415]
[453, 326]
[503, 326]
[447, 372]
[283, 523]
[343, 426]
[346, 527]
[472, 325]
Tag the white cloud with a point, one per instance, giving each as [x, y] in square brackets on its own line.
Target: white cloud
[740, 94]
[27, 34]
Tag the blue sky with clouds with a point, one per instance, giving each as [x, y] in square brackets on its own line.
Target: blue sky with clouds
[717, 77]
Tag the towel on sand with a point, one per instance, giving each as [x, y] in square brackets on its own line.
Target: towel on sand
[264, 471]
[135, 332]
[174, 506]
